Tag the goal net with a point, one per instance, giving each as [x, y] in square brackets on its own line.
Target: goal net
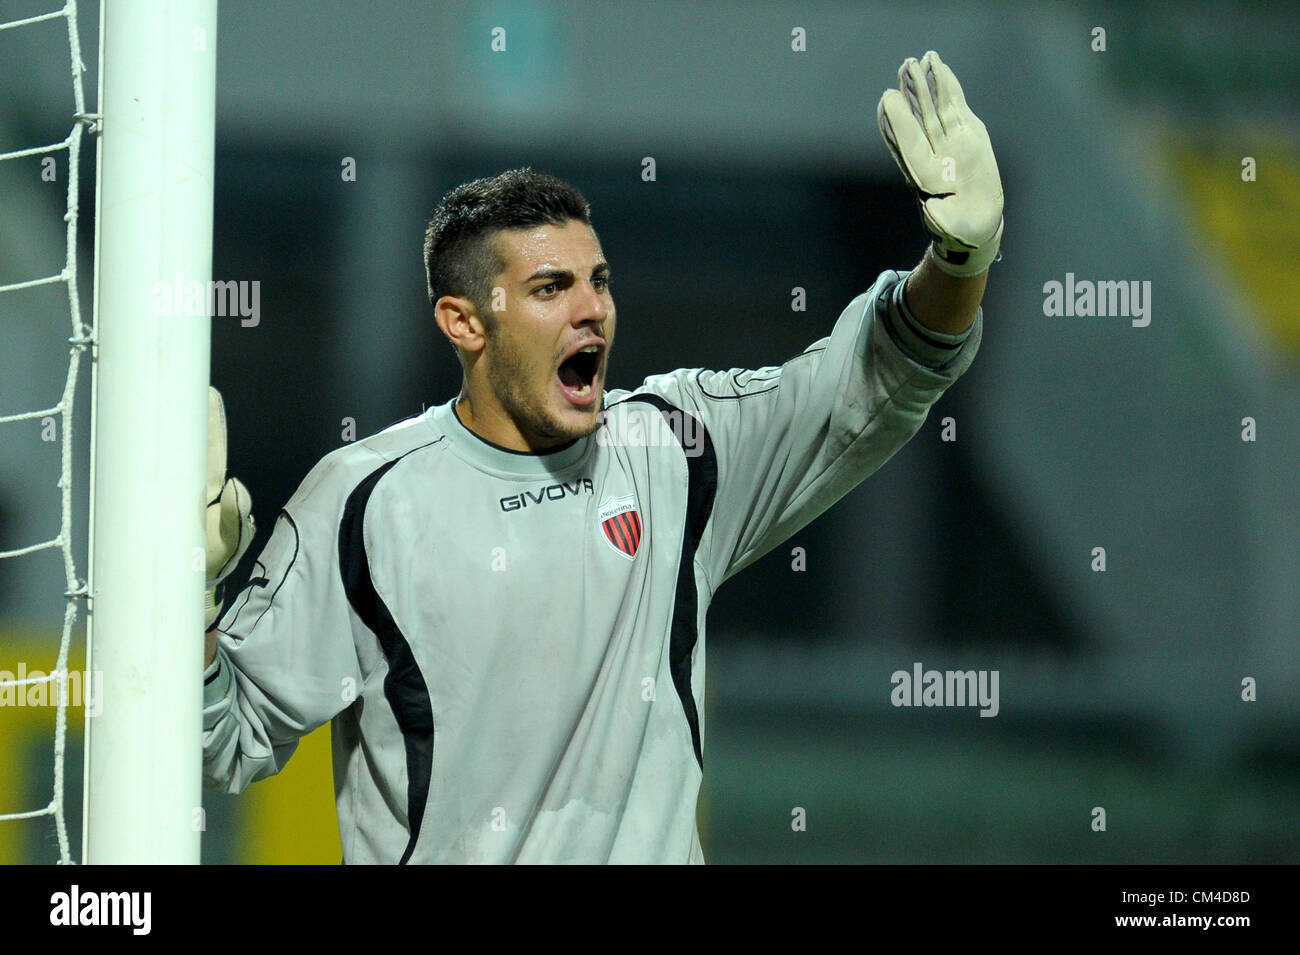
[143, 591]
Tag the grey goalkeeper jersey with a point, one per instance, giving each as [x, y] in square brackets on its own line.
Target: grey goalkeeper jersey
[511, 646]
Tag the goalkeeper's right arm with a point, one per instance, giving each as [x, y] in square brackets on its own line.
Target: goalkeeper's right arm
[229, 519]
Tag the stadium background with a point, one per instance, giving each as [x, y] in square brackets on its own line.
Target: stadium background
[1119, 689]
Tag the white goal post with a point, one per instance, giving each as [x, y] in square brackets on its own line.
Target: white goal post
[153, 224]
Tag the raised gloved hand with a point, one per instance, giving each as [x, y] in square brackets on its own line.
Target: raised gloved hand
[945, 153]
[229, 514]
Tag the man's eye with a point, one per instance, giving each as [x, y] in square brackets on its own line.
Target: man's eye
[550, 285]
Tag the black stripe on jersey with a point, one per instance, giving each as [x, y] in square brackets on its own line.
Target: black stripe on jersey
[702, 486]
[404, 686]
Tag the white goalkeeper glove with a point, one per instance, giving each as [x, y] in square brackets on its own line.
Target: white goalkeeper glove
[945, 153]
[229, 514]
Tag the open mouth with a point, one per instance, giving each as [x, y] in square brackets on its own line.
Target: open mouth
[577, 375]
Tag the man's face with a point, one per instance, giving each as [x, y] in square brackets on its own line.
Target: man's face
[539, 359]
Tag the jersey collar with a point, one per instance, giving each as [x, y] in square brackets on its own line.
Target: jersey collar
[493, 457]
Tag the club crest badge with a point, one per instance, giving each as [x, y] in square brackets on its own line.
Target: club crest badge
[620, 524]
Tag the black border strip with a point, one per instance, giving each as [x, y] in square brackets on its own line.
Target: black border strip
[404, 686]
[702, 487]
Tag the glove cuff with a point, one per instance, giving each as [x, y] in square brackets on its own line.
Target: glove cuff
[963, 262]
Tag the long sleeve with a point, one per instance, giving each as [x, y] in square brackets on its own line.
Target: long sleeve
[792, 440]
[286, 658]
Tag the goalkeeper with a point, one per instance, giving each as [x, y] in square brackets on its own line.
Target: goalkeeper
[499, 603]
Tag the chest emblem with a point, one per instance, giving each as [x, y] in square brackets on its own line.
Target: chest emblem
[620, 524]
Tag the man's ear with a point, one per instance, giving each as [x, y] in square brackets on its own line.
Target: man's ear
[459, 320]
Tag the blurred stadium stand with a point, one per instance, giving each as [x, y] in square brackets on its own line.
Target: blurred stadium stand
[1118, 689]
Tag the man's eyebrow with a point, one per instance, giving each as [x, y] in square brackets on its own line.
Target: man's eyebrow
[601, 268]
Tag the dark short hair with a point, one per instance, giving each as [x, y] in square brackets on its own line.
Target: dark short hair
[459, 256]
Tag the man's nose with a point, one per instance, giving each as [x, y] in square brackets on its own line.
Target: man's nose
[590, 306]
